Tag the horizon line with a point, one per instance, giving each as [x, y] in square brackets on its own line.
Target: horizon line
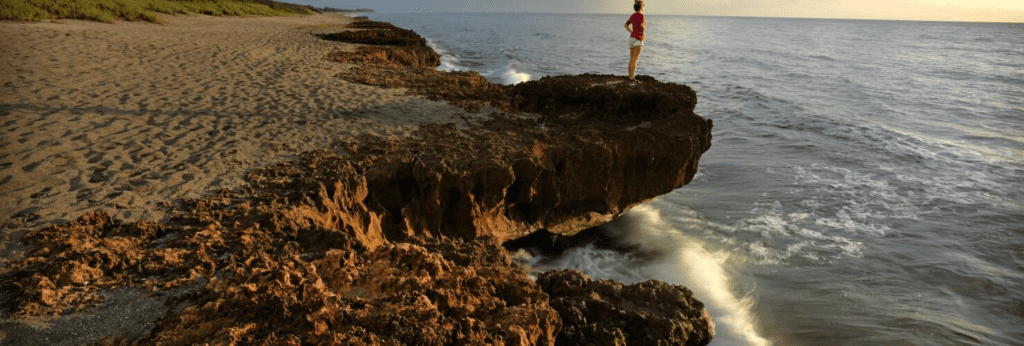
[729, 16]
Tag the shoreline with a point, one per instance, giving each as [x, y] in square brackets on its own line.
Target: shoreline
[393, 188]
[131, 122]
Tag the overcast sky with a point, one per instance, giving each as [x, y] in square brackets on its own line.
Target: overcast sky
[950, 10]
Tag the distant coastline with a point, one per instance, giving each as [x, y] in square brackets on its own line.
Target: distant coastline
[341, 10]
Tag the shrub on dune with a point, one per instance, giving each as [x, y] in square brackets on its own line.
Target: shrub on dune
[132, 10]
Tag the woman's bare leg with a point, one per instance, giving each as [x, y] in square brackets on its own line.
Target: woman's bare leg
[634, 55]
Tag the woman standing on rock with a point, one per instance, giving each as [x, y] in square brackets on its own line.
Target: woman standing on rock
[636, 36]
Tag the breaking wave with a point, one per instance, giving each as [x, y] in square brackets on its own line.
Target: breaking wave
[666, 252]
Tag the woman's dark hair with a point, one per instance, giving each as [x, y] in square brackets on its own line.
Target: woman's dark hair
[636, 5]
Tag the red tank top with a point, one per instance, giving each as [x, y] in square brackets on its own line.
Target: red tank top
[638, 27]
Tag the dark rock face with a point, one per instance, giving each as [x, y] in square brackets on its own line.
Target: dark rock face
[408, 56]
[363, 23]
[605, 312]
[520, 175]
[540, 243]
[547, 244]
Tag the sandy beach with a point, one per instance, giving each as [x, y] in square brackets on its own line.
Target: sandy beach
[122, 117]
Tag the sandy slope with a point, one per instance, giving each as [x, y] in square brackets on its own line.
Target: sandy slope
[121, 117]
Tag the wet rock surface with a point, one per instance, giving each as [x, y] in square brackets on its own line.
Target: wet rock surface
[605, 312]
[396, 241]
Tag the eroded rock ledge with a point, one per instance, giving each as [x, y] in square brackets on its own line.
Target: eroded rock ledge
[605, 312]
[397, 241]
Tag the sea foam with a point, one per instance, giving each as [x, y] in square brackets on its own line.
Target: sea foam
[508, 75]
[677, 259]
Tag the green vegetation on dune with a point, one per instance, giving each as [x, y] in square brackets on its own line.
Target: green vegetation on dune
[131, 10]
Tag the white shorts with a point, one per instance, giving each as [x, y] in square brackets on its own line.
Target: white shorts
[633, 42]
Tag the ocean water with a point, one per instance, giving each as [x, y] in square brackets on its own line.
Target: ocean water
[865, 184]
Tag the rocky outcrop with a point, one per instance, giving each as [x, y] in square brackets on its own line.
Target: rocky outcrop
[390, 58]
[364, 23]
[385, 44]
[377, 33]
[386, 241]
[597, 147]
[515, 175]
[418, 56]
[606, 312]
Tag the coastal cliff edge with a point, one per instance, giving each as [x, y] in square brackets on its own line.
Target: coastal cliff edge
[398, 240]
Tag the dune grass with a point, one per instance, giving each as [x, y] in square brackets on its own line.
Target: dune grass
[131, 10]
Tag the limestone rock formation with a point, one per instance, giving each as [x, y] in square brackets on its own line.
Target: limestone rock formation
[384, 44]
[599, 146]
[261, 279]
[422, 293]
[606, 312]
[377, 33]
[392, 57]
[387, 241]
